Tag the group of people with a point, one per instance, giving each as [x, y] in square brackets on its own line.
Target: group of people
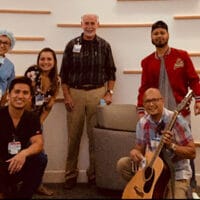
[88, 74]
[26, 102]
[167, 74]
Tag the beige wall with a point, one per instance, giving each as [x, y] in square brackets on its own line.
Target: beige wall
[129, 46]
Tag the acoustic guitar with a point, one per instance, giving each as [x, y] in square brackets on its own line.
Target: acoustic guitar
[145, 183]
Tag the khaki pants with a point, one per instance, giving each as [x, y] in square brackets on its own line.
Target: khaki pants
[181, 189]
[86, 102]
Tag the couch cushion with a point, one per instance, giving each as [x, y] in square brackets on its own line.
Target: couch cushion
[110, 146]
[117, 117]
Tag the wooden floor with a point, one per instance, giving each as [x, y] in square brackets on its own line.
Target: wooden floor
[80, 191]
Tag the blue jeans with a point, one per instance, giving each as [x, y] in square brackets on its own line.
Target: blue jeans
[30, 177]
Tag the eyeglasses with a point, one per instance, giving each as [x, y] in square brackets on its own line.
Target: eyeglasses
[4, 43]
[154, 100]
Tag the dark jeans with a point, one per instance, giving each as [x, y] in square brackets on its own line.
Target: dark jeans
[30, 177]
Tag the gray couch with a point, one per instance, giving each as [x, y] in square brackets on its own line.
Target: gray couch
[114, 137]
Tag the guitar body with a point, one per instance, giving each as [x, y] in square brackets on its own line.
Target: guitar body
[151, 181]
[143, 183]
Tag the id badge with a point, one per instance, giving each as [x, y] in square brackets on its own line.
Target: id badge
[39, 100]
[14, 147]
[77, 48]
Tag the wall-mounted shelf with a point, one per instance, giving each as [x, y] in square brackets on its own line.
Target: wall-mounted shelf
[138, 0]
[139, 71]
[14, 11]
[184, 17]
[30, 52]
[109, 25]
[197, 54]
[29, 38]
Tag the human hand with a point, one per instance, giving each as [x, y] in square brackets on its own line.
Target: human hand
[167, 138]
[108, 98]
[136, 155]
[69, 104]
[16, 163]
[197, 108]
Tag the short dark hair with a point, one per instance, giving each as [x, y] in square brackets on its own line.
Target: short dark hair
[23, 80]
[159, 24]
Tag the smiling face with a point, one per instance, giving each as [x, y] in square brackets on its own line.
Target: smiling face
[5, 44]
[153, 103]
[19, 96]
[46, 61]
[89, 25]
[160, 37]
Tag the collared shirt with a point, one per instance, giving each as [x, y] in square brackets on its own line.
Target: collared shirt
[92, 64]
[181, 74]
[7, 74]
[146, 133]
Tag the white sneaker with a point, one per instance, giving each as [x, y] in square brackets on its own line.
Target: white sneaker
[195, 195]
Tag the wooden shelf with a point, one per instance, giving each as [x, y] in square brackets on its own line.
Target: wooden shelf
[197, 54]
[30, 52]
[108, 25]
[13, 11]
[139, 71]
[29, 38]
[184, 17]
[197, 143]
[194, 54]
[138, 0]
[132, 72]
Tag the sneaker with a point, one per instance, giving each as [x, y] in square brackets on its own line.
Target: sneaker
[195, 195]
[43, 190]
[70, 183]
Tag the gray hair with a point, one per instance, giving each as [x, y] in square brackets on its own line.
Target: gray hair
[94, 15]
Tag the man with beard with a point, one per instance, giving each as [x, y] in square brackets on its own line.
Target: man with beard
[172, 72]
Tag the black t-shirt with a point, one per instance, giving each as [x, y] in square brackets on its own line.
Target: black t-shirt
[28, 126]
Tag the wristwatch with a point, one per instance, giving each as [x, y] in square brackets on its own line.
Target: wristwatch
[173, 146]
[110, 91]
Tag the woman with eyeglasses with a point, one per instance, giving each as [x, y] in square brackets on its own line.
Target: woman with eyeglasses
[7, 69]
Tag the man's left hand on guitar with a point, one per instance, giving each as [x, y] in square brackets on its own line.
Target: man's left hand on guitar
[167, 138]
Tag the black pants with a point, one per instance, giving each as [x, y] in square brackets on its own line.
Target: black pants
[30, 177]
[193, 182]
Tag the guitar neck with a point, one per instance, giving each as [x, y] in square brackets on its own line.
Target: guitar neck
[160, 146]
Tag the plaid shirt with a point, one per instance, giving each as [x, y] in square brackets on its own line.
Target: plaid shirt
[146, 131]
[93, 64]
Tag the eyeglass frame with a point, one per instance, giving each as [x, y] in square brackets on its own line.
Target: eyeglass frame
[154, 100]
[7, 44]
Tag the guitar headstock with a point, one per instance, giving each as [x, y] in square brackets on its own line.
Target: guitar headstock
[185, 102]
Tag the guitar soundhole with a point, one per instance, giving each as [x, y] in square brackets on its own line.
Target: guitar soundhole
[149, 177]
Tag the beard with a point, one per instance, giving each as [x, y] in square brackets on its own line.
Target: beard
[159, 44]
